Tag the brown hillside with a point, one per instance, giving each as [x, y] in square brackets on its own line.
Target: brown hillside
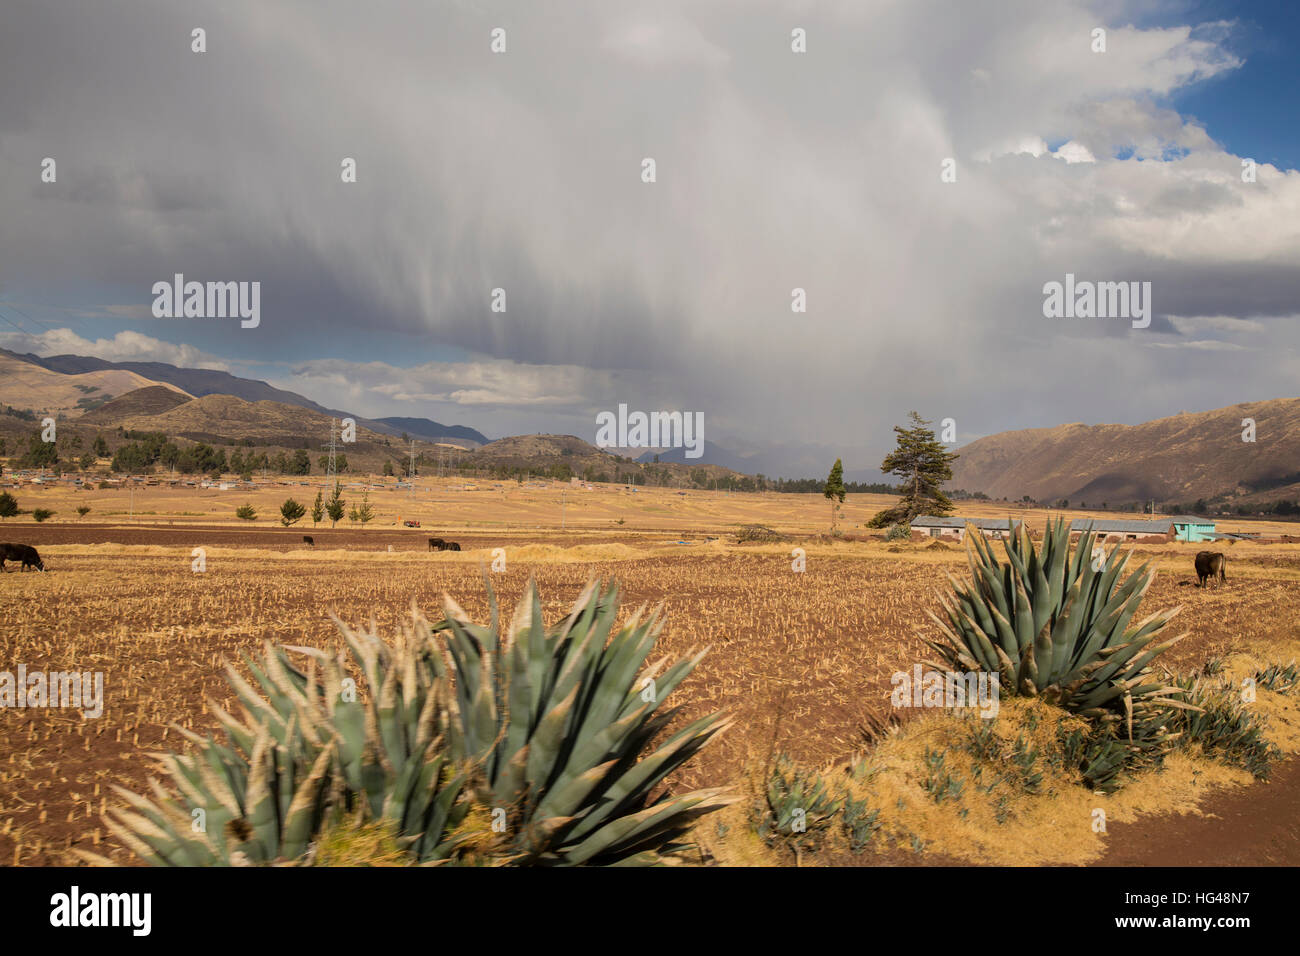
[152, 400]
[27, 386]
[1180, 458]
[227, 420]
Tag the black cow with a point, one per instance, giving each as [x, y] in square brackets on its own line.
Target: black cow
[21, 552]
[452, 546]
[437, 544]
[307, 539]
[1211, 564]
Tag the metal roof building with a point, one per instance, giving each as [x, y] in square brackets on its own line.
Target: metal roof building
[1171, 527]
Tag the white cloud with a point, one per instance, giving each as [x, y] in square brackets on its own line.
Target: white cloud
[482, 382]
[125, 346]
[1073, 152]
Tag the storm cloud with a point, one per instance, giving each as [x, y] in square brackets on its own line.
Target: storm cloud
[776, 170]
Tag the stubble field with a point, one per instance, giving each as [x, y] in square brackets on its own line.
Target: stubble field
[801, 659]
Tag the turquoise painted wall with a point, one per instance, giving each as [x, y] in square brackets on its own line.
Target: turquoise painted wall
[1196, 532]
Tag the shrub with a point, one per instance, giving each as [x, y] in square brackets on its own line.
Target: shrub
[1055, 625]
[246, 513]
[468, 744]
[40, 514]
[797, 806]
[1223, 727]
[898, 532]
[1281, 678]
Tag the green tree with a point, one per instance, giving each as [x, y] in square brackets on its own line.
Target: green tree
[923, 464]
[40, 454]
[246, 513]
[88, 461]
[8, 505]
[835, 487]
[336, 505]
[340, 462]
[365, 514]
[317, 509]
[291, 511]
[301, 464]
[100, 447]
[388, 469]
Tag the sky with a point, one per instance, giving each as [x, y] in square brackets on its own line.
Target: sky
[775, 170]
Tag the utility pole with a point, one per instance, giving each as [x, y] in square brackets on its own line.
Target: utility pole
[410, 474]
[330, 470]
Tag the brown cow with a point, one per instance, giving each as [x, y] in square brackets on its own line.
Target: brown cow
[1211, 564]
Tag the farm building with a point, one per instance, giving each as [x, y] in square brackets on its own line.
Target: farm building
[1123, 530]
[1192, 528]
[1170, 528]
[955, 527]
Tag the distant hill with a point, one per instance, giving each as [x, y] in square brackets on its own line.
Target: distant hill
[31, 386]
[199, 382]
[430, 430]
[711, 454]
[1181, 458]
[151, 400]
[228, 420]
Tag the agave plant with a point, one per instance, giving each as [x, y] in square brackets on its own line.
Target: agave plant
[518, 748]
[797, 805]
[1056, 625]
[556, 721]
[309, 748]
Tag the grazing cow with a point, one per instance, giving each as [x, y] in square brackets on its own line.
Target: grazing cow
[437, 544]
[452, 546]
[21, 552]
[307, 539]
[1211, 564]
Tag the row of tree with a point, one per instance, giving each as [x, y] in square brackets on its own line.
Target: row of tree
[334, 508]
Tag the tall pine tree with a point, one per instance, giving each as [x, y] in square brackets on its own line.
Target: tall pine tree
[923, 464]
[835, 487]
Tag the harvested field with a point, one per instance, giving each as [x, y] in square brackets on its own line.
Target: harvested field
[800, 659]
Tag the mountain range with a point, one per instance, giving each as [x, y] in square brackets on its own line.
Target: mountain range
[113, 379]
[1181, 458]
[1245, 453]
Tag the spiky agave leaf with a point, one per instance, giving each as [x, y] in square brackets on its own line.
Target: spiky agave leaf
[308, 748]
[1052, 625]
[559, 723]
